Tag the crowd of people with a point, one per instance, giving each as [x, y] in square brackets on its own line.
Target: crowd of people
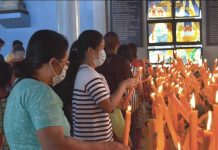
[52, 99]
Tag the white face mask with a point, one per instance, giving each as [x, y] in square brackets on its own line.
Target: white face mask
[58, 78]
[101, 58]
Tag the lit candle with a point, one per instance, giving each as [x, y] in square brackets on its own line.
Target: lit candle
[215, 120]
[184, 101]
[205, 63]
[193, 125]
[178, 145]
[160, 128]
[209, 143]
[127, 125]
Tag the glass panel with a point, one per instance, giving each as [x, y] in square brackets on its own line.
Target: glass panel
[188, 31]
[160, 32]
[157, 56]
[159, 9]
[192, 54]
[187, 8]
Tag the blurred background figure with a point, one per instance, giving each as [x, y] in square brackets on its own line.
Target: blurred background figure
[17, 53]
[5, 79]
[1, 45]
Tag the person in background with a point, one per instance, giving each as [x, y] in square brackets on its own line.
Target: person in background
[115, 68]
[17, 53]
[2, 43]
[39, 122]
[125, 52]
[135, 62]
[5, 78]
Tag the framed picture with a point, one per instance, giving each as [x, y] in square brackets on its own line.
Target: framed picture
[187, 9]
[157, 56]
[157, 9]
[160, 33]
[188, 32]
[193, 54]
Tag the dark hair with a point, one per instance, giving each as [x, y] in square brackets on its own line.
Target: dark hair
[18, 48]
[17, 42]
[5, 74]
[87, 39]
[42, 46]
[2, 42]
[111, 41]
[124, 51]
[133, 49]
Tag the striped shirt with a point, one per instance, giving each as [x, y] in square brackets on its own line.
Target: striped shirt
[90, 121]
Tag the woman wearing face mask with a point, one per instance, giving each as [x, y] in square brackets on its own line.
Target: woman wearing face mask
[33, 117]
[91, 99]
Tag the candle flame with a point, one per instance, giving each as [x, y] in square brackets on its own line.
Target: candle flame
[205, 60]
[153, 96]
[160, 89]
[216, 60]
[213, 79]
[209, 120]
[179, 146]
[129, 108]
[180, 90]
[140, 68]
[210, 75]
[216, 99]
[208, 82]
[192, 101]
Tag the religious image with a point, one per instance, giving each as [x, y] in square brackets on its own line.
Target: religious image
[158, 56]
[159, 9]
[188, 32]
[190, 54]
[187, 8]
[160, 32]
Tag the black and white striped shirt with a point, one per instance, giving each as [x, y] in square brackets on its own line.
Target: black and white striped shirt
[90, 122]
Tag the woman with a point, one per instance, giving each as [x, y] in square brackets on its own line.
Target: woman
[5, 79]
[34, 118]
[91, 99]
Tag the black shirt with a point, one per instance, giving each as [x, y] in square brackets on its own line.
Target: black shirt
[115, 69]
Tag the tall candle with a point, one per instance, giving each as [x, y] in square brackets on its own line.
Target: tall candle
[127, 125]
[193, 125]
[160, 99]
[160, 128]
[184, 101]
[215, 120]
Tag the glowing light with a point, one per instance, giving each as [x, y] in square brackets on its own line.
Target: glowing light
[192, 101]
[160, 89]
[209, 121]
[180, 90]
[129, 108]
[216, 100]
[179, 146]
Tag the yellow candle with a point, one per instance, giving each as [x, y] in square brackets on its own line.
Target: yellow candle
[193, 125]
[127, 125]
[160, 128]
[160, 100]
[215, 120]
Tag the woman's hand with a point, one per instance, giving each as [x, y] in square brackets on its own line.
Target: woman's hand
[130, 83]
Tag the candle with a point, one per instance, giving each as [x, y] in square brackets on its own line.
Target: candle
[179, 107]
[193, 125]
[215, 120]
[179, 147]
[160, 100]
[184, 101]
[127, 125]
[160, 128]
[209, 142]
